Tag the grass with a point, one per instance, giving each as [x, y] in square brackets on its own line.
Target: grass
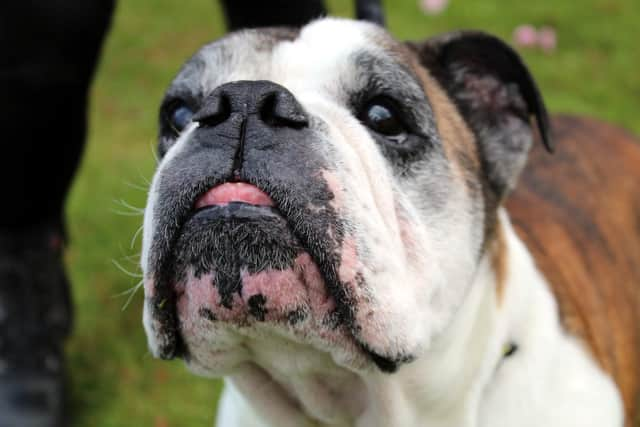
[115, 382]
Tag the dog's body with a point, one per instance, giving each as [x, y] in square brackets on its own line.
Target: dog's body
[583, 201]
[327, 230]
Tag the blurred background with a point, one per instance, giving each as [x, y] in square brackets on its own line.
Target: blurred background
[586, 60]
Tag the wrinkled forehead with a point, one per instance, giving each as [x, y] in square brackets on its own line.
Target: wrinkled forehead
[328, 56]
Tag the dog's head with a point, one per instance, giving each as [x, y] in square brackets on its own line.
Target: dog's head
[329, 187]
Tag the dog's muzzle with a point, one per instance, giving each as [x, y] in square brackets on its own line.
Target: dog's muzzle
[246, 228]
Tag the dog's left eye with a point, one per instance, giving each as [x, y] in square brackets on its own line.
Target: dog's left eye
[382, 118]
[180, 117]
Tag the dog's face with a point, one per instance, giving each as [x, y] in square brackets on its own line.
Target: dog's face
[329, 187]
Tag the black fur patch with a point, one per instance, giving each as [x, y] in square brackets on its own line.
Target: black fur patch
[207, 314]
[496, 95]
[228, 239]
[257, 306]
[296, 316]
[387, 364]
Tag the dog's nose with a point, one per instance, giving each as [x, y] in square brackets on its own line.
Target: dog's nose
[272, 103]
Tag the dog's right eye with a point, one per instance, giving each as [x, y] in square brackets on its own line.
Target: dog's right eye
[383, 120]
[180, 116]
[381, 116]
[392, 126]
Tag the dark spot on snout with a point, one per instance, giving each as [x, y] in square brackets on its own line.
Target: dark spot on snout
[332, 320]
[296, 316]
[257, 306]
[207, 314]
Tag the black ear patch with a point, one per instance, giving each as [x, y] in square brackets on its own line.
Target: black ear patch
[495, 94]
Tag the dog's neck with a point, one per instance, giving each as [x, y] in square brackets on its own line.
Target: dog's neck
[443, 387]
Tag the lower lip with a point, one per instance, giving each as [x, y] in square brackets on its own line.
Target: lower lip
[229, 192]
[237, 211]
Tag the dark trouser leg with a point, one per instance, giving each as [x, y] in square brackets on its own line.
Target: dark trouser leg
[49, 50]
[268, 13]
[48, 53]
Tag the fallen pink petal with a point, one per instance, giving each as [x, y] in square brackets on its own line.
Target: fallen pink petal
[547, 39]
[433, 7]
[525, 36]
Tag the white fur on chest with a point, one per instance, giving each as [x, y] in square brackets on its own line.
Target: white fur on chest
[554, 380]
[463, 381]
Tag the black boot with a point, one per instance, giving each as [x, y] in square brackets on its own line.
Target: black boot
[35, 318]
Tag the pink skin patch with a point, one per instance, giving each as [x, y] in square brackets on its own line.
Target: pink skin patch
[201, 293]
[407, 231]
[349, 273]
[348, 261]
[234, 192]
[321, 302]
[336, 189]
[281, 292]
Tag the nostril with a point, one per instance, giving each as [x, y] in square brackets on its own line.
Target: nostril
[280, 108]
[216, 109]
[267, 110]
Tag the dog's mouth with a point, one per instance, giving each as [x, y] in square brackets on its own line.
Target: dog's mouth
[241, 263]
[242, 244]
[234, 192]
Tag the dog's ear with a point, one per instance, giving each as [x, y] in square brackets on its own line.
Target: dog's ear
[495, 94]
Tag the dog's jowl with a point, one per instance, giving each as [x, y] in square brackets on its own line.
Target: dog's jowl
[329, 229]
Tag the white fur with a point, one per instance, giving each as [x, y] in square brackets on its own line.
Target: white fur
[556, 381]
[463, 381]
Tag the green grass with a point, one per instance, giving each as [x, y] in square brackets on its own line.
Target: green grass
[115, 382]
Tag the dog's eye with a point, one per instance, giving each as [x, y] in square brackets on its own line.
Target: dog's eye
[382, 118]
[180, 116]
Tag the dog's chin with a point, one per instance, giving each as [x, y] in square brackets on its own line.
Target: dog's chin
[241, 276]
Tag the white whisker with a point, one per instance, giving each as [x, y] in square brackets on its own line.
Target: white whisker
[130, 292]
[124, 270]
[127, 205]
[154, 152]
[145, 179]
[133, 258]
[121, 213]
[130, 210]
[136, 186]
[135, 236]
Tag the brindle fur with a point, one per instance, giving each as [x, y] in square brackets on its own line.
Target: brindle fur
[578, 211]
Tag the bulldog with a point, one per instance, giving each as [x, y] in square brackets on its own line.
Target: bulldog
[329, 229]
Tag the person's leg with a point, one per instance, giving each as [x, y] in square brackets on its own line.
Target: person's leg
[48, 54]
[269, 13]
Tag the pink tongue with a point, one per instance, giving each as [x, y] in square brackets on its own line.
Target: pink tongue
[234, 192]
